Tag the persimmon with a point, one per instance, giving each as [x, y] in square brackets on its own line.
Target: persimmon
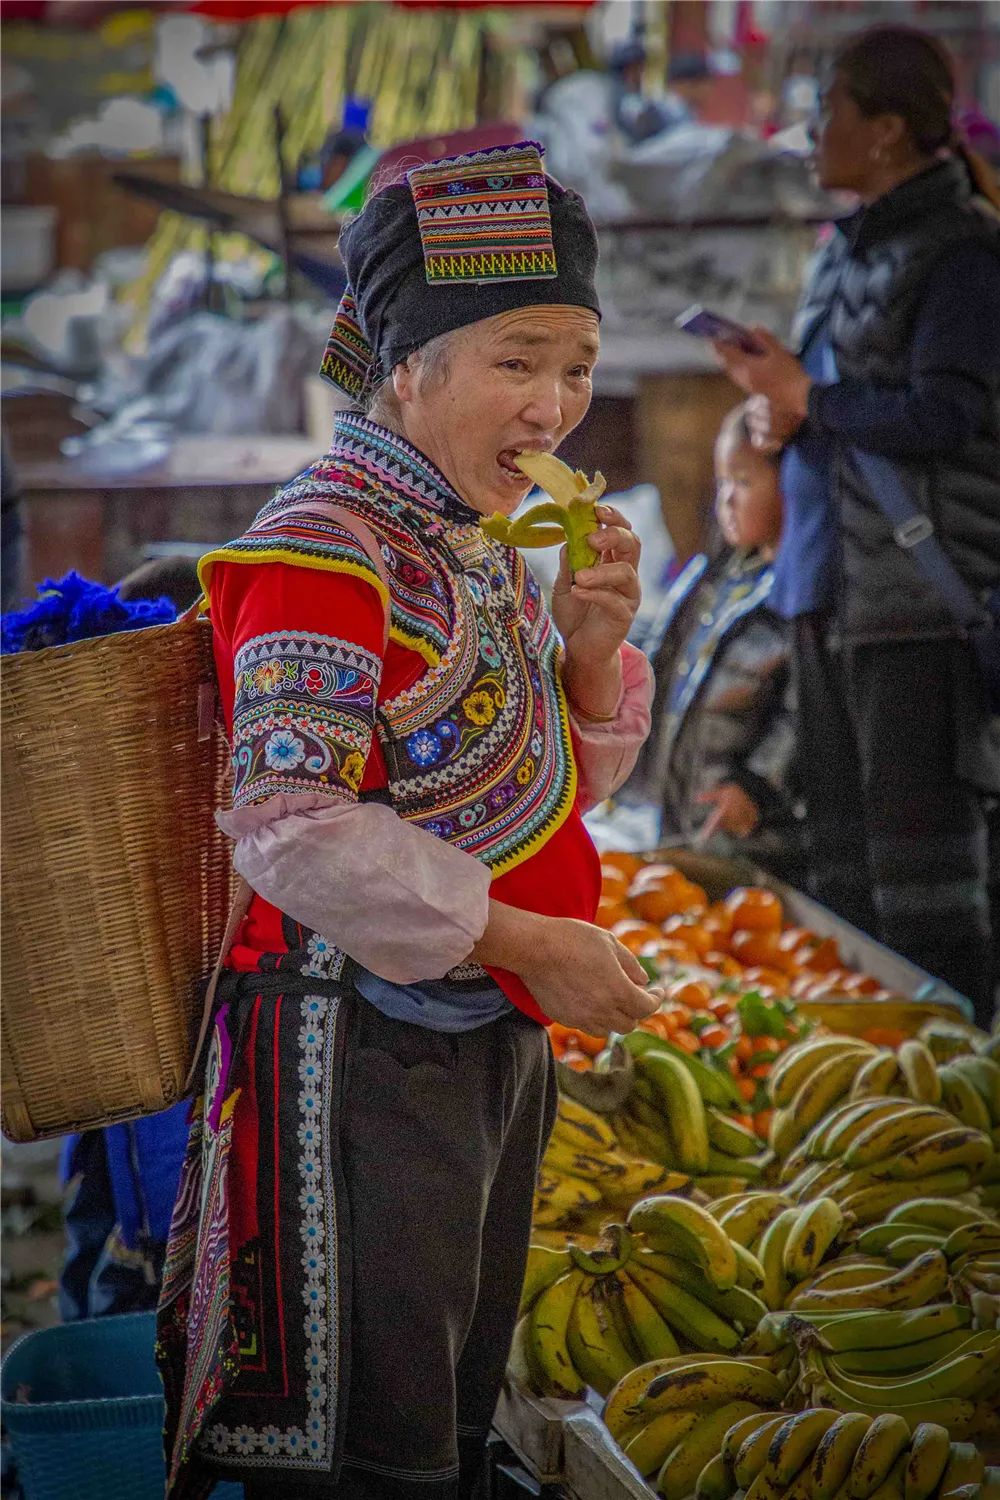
[609, 913]
[614, 883]
[695, 994]
[754, 908]
[629, 864]
[633, 934]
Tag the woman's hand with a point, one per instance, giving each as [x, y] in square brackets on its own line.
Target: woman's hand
[594, 611]
[776, 374]
[579, 974]
[733, 812]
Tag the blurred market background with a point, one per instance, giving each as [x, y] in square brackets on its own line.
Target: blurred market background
[174, 176]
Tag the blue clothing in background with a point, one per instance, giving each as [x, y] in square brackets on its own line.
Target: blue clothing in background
[807, 561]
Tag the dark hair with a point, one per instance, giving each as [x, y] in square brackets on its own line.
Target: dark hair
[898, 70]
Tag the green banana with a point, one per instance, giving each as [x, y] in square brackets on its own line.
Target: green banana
[905, 1358]
[937, 1213]
[984, 1075]
[978, 1239]
[729, 1136]
[904, 1249]
[962, 1099]
[737, 1305]
[878, 1238]
[684, 1228]
[851, 1331]
[713, 1481]
[966, 1465]
[930, 1447]
[683, 1108]
[684, 1312]
[834, 1457]
[714, 1086]
[649, 1333]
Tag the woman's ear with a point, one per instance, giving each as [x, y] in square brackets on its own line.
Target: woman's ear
[404, 381]
[891, 136]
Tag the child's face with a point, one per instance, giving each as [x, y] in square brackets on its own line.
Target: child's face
[748, 500]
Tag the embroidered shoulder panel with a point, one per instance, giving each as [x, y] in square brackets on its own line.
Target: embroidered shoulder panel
[303, 717]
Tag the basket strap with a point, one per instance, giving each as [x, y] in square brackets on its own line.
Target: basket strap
[241, 905]
[362, 533]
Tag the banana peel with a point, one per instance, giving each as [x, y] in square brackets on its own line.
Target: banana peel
[570, 515]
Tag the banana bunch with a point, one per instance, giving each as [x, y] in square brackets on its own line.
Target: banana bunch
[678, 1113]
[583, 1175]
[823, 1454]
[874, 1154]
[671, 1415]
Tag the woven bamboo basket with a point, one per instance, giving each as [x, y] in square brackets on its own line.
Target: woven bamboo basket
[116, 882]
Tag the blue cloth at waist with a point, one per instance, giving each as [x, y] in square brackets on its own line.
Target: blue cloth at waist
[806, 567]
[438, 1004]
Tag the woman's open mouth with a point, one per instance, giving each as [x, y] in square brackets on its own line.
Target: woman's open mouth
[506, 459]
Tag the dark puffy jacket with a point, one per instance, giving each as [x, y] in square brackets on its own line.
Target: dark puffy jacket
[869, 279]
[721, 710]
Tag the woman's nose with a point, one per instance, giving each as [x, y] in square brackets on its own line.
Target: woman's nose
[543, 407]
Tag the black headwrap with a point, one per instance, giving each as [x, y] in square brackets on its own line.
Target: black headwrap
[463, 239]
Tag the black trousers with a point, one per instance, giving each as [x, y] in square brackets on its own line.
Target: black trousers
[440, 1140]
[897, 842]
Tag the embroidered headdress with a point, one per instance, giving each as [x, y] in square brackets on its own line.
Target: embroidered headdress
[464, 238]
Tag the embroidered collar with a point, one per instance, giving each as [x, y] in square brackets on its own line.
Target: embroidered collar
[399, 468]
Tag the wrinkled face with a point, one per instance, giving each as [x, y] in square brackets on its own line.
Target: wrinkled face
[748, 497]
[519, 381]
[848, 144]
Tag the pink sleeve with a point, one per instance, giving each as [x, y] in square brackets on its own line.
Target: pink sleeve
[401, 902]
[607, 753]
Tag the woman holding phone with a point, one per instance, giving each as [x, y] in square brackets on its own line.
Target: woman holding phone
[899, 358]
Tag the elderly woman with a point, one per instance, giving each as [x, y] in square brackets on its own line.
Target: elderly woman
[414, 740]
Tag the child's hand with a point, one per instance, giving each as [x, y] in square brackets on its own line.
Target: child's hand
[733, 812]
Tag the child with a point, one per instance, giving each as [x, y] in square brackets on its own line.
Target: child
[719, 755]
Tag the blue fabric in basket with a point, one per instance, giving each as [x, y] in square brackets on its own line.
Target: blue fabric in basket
[83, 1407]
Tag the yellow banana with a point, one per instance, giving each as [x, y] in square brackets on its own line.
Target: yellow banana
[966, 1465]
[834, 1457]
[521, 1365]
[771, 1254]
[679, 1474]
[917, 1065]
[598, 1354]
[548, 1324]
[740, 1431]
[877, 1076]
[713, 1482]
[963, 1375]
[688, 1230]
[649, 1333]
[749, 1271]
[873, 1203]
[654, 1442]
[811, 1236]
[750, 1215]
[957, 1147]
[710, 1385]
[798, 1062]
[620, 1408]
[794, 1442]
[721, 1206]
[818, 1092]
[737, 1305]
[543, 1268]
[892, 1486]
[981, 1238]
[886, 1438]
[862, 1115]
[637, 1178]
[582, 1127]
[915, 1285]
[887, 1136]
[963, 1100]
[728, 1135]
[855, 1331]
[930, 1447]
[752, 1454]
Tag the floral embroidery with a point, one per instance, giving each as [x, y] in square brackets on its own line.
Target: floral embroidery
[284, 751]
[352, 770]
[424, 747]
[479, 707]
[303, 717]
[325, 960]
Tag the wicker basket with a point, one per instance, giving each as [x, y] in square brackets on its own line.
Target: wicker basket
[116, 883]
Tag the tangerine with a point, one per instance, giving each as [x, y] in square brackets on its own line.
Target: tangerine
[621, 859]
[610, 912]
[754, 908]
[633, 934]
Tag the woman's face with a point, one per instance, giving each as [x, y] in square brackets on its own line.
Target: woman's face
[518, 381]
[848, 146]
[747, 496]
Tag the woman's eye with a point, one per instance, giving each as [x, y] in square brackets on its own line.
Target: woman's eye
[580, 372]
[514, 364]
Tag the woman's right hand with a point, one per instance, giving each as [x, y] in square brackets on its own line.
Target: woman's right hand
[578, 973]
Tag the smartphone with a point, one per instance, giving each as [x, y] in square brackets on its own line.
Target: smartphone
[704, 324]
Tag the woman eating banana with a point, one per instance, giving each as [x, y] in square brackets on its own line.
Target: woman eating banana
[415, 738]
